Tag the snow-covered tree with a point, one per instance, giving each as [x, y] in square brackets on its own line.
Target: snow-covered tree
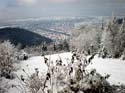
[113, 38]
[8, 54]
[86, 38]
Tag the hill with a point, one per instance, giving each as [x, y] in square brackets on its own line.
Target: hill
[22, 36]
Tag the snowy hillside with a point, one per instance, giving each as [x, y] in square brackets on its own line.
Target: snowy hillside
[114, 67]
[38, 62]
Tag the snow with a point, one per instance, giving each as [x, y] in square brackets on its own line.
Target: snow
[114, 67]
[38, 62]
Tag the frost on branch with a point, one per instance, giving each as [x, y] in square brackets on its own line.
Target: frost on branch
[7, 59]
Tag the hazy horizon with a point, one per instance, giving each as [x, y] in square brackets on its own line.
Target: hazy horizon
[19, 9]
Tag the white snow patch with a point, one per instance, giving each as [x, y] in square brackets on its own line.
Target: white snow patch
[114, 67]
[38, 62]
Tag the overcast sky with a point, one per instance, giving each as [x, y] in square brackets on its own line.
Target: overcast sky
[18, 9]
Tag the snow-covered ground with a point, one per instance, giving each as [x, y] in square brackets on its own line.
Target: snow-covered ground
[29, 66]
[38, 62]
[114, 67]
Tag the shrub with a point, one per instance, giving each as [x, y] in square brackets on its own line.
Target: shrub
[90, 83]
[7, 58]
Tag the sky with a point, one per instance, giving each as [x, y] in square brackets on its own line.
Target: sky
[19, 9]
